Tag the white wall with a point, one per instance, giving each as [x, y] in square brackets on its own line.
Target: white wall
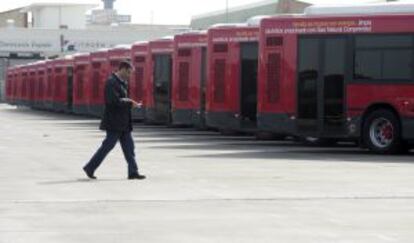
[47, 41]
[46, 18]
[53, 16]
[68, 17]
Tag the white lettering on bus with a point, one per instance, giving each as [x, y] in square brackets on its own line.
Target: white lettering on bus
[236, 39]
[192, 44]
[320, 30]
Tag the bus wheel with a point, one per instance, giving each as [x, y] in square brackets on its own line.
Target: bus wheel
[382, 132]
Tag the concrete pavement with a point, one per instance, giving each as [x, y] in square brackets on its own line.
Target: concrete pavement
[201, 187]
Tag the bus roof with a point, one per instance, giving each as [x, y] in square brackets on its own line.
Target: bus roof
[361, 9]
[255, 20]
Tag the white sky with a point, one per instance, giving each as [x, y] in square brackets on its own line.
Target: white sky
[166, 11]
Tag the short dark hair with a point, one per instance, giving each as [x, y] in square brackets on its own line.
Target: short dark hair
[124, 64]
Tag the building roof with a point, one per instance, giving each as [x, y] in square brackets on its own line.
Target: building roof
[261, 3]
[11, 10]
[236, 9]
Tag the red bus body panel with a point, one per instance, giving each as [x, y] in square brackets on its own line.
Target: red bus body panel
[48, 98]
[32, 75]
[23, 86]
[9, 84]
[81, 84]
[100, 70]
[224, 69]
[35, 85]
[137, 92]
[187, 90]
[16, 84]
[60, 73]
[40, 89]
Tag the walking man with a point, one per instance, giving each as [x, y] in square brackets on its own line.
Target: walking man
[117, 122]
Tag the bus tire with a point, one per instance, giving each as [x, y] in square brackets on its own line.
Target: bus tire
[382, 132]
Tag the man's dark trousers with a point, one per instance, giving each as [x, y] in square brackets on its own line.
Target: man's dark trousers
[127, 144]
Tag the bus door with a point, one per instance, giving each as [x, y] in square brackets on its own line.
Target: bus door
[162, 85]
[320, 85]
[248, 83]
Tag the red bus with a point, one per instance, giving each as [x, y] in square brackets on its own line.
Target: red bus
[188, 99]
[342, 77]
[139, 53]
[23, 86]
[99, 73]
[63, 81]
[9, 85]
[40, 84]
[232, 77]
[32, 75]
[81, 83]
[16, 84]
[48, 97]
[158, 84]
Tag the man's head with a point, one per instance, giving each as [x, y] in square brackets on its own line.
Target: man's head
[124, 70]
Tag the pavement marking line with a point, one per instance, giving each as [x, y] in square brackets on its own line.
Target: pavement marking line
[207, 200]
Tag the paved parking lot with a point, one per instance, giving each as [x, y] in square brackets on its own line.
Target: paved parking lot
[201, 187]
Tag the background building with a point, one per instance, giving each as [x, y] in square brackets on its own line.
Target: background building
[243, 13]
[14, 18]
[107, 16]
[49, 30]
[58, 15]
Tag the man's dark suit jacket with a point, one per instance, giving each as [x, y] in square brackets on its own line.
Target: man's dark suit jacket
[117, 113]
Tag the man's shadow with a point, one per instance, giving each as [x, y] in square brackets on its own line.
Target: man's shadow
[75, 181]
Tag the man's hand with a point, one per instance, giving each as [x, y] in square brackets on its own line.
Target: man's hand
[134, 103]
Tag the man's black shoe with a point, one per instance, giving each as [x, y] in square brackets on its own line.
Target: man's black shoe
[89, 174]
[136, 177]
